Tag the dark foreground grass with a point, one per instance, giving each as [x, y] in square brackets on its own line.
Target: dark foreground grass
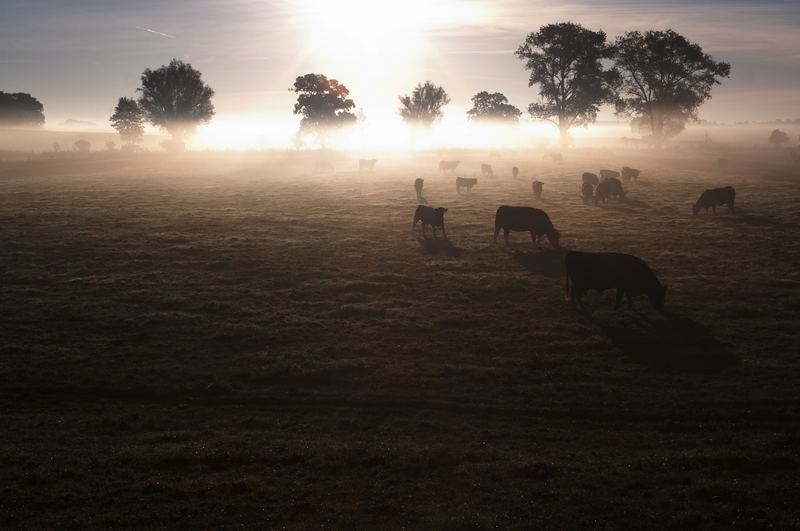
[210, 342]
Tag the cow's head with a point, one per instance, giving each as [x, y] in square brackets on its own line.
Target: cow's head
[658, 296]
[440, 213]
[555, 238]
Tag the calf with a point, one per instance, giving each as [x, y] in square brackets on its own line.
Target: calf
[587, 191]
[609, 174]
[515, 172]
[418, 187]
[714, 198]
[629, 275]
[366, 164]
[630, 173]
[607, 189]
[486, 170]
[525, 219]
[466, 183]
[590, 178]
[537, 189]
[448, 166]
[429, 216]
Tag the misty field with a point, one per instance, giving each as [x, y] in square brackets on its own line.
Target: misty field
[203, 339]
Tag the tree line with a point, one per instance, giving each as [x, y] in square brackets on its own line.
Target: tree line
[657, 79]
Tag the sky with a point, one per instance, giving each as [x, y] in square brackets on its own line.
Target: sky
[78, 57]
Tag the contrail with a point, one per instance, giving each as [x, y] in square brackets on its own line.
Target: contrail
[148, 30]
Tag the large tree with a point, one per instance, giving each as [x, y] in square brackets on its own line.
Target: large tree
[492, 108]
[175, 98]
[20, 109]
[128, 120]
[566, 62]
[323, 103]
[424, 105]
[665, 80]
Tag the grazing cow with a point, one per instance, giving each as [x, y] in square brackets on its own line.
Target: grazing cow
[607, 189]
[486, 170]
[630, 173]
[465, 182]
[587, 191]
[418, 188]
[525, 219]
[515, 172]
[629, 275]
[537, 189]
[366, 164]
[609, 174]
[591, 178]
[714, 198]
[429, 216]
[448, 166]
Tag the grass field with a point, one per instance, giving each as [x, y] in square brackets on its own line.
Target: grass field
[222, 340]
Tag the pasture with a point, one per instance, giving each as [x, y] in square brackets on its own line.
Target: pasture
[204, 339]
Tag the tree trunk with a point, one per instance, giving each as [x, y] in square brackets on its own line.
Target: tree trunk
[563, 128]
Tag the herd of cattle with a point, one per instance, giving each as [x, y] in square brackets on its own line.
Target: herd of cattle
[629, 275]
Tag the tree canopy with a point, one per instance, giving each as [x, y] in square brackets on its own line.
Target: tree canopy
[565, 61]
[175, 98]
[424, 105]
[778, 138]
[128, 120]
[665, 80]
[323, 103]
[20, 109]
[492, 108]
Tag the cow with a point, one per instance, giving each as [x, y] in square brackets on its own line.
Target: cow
[629, 275]
[609, 174]
[537, 189]
[366, 164]
[590, 178]
[714, 198]
[486, 170]
[525, 219]
[418, 188]
[515, 172]
[630, 173]
[448, 166]
[429, 216]
[465, 182]
[587, 191]
[607, 189]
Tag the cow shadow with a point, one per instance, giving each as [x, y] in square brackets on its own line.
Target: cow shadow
[670, 344]
[544, 261]
[439, 247]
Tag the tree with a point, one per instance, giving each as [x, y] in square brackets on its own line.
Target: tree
[565, 61]
[778, 138]
[665, 80]
[424, 106]
[323, 103]
[492, 108]
[81, 146]
[175, 98]
[20, 109]
[128, 120]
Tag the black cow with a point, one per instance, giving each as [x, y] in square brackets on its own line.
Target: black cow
[537, 189]
[607, 189]
[587, 191]
[525, 219]
[630, 173]
[590, 178]
[429, 216]
[714, 198]
[418, 183]
[629, 275]
[465, 182]
[515, 171]
[448, 166]
[486, 170]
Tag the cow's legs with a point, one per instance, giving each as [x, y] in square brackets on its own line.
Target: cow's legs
[444, 233]
[714, 208]
[424, 234]
[496, 232]
[434, 232]
[619, 299]
[505, 235]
